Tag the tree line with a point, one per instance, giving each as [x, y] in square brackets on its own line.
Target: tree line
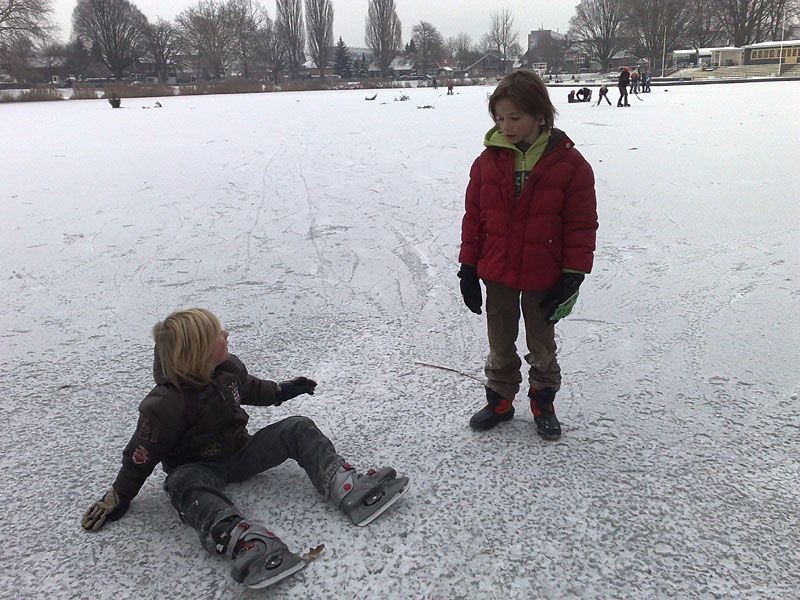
[219, 38]
[648, 28]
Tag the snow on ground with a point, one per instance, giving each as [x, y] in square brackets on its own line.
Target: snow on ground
[324, 230]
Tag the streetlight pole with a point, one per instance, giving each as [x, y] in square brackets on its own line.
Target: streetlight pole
[664, 51]
[780, 51]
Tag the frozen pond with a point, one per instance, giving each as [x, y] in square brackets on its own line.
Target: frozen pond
[324, 230]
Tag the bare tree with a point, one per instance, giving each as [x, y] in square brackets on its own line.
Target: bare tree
[778, 18]
[115, 27]
[383, 33]
[460, 48]
[270, 51]
[165, 46]
[243, 19]
[501, 37]
[53, 56]
[24, 19]
[751, 21]
[429, 45]
[656, 24]
[741, 20]
[289, 26]
[206, 36]
[597, 25]
[702, 29]
[20, 56]
[319, 24]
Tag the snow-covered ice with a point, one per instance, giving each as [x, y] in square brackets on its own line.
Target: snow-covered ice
[324, 230]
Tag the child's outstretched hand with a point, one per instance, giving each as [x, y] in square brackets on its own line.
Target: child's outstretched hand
[110, 508]
[294, 387]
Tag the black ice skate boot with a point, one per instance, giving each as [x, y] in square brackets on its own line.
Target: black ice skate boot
[259, 557]
[547, 425]
[497, 409]
[364, 497]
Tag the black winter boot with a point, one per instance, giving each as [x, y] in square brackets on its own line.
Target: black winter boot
[547, 425]
[497, 409]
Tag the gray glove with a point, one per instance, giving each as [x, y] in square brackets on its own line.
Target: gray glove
[110, 508]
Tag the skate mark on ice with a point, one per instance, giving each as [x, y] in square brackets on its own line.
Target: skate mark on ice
[248, 234]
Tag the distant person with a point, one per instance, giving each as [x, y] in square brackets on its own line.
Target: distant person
[623, 81]
[192, 422]
[603, 95]
[571, 96]
[648, 77]
[584, 95]
[534, 264]
[635, 81]
[449, 89]
[435, 84]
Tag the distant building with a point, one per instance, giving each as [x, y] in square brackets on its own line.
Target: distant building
[728, 56]
[771, 53]
[401, 66]
[487, 65]
[546, 46]
[544, 37]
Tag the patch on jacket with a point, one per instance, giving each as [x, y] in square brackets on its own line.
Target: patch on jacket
[235, 392]
[148, 432]
[140, 455]
[211, 450]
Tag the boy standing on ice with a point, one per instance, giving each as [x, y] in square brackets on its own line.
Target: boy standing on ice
[529, 233]
[622, 83]
[192, 423]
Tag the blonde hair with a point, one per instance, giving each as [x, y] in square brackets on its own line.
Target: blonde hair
[185, 344]
[528, 92]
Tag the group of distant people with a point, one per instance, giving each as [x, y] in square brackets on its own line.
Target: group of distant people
[583, 95]
[638, 81]
[435, 85]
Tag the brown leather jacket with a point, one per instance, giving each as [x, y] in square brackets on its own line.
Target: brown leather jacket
[191, 424]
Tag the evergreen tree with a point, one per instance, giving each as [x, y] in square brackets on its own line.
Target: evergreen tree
[359, 66]
[341, 62]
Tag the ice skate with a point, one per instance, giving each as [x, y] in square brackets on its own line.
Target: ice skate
[259, 557]
[365, 497]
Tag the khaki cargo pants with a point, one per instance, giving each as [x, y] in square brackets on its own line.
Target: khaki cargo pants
[503, 364]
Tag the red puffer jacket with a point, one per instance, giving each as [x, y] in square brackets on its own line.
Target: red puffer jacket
[526, 242]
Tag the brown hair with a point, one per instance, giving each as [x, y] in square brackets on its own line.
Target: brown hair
[185, 344]
[528, 92]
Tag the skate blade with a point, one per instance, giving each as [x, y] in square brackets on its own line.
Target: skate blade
[280, 576]
[383, 508]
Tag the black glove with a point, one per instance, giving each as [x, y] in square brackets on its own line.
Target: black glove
[110, 508]
[471, 287]
[294, 387]
[559, 299]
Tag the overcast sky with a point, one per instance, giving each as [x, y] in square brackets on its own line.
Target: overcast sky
[449, 16]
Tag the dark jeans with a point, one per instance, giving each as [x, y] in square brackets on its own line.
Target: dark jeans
[195, 489]
[623, 96]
